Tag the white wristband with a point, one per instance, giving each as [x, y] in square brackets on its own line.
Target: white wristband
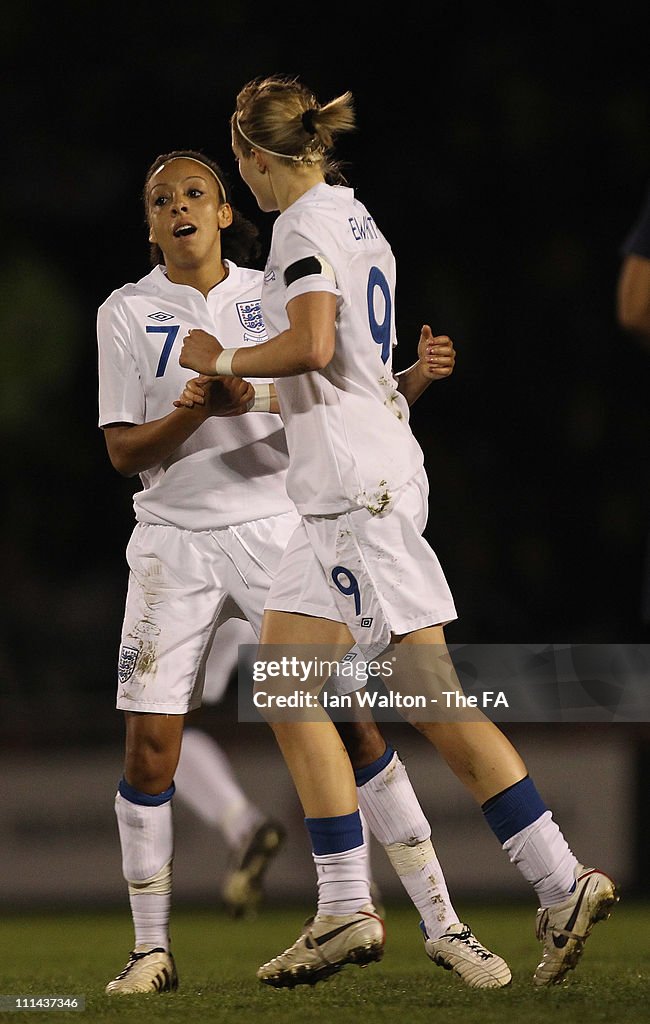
[262, 400]
[223, 364]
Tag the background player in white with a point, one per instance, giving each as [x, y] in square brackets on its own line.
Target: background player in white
[206, 783]
[193, 561]
[358, 558]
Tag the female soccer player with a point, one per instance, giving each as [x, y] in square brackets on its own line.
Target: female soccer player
[357, 566]
[213, 518]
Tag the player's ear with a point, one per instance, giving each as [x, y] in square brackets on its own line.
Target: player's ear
[224, 215]
[260, 160]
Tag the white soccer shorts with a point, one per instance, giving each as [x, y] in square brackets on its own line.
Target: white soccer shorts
[376, 573]
[182, 586]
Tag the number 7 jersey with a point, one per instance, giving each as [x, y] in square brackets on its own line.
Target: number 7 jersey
[350, 443]
[232, 469]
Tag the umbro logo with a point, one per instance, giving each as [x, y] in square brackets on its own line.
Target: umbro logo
[161, 316]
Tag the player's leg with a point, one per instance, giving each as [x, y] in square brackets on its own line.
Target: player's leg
[205, 782]
[208, 784]
[168, 622]
[571, 898]
[144, 816]
[393, 813]
[345, 928]
[364, 584]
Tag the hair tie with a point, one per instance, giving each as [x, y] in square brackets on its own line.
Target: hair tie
[308, 121]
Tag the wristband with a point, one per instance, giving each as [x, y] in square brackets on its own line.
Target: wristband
[262, 400]
[223, 363]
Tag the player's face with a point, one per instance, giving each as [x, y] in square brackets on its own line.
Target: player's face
[186, 214]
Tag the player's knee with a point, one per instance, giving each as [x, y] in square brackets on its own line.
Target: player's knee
[150, 768]
[363, 742]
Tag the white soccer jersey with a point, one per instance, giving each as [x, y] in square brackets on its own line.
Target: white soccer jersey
[232, 469]
[347, 426]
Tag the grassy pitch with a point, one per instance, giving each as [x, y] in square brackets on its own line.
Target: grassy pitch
[77, 953]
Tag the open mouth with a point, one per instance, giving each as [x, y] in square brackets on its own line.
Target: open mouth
[184, 230]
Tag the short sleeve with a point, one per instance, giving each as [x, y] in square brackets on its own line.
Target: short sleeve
[121, 395]
[305, 267]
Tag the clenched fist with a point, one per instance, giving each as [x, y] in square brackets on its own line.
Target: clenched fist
[199, 351]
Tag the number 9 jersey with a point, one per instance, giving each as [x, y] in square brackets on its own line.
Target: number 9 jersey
[347, 426]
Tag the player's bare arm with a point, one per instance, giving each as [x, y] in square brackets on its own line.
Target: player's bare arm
[136, 447]
[307, 345]
[436, 360]
[633, 297]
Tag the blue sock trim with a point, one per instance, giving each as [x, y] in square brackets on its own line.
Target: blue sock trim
[363, 775]
[335, 835]
[134, 796]
[513, 809]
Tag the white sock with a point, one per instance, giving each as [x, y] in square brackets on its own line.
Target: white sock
[393, 813]
[365, 828]
[542, 854]
[206, 782]
[421, 875]
[147, 841]
[343, 886]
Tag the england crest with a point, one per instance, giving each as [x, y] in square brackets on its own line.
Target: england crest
[251, 319]
[127, 662]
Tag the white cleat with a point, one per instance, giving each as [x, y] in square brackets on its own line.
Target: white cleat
[242, 889]
[564, 927]
[150, 970]
[327, 944]
[459, 950]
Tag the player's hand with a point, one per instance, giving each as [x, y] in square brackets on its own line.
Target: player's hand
[199, 351]
[218, 396]
[436, 355]
[229, 396]
[193, 393]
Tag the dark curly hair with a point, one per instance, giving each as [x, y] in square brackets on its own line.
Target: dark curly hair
[239, 243]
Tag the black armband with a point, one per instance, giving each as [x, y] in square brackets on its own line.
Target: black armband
[306, 267]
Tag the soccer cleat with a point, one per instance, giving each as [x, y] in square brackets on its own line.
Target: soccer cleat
[242, 887]
[327, 943]
[565, 927]
[152, 970]
[459, 950]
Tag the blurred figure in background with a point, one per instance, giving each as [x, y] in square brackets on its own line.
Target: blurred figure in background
[206, 783]
[633, 295]
[633, 314]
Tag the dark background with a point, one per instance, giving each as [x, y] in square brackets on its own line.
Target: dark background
[504, 154]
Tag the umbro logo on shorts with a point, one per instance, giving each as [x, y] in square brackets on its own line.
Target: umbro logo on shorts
[366, 622]
[161, 316]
